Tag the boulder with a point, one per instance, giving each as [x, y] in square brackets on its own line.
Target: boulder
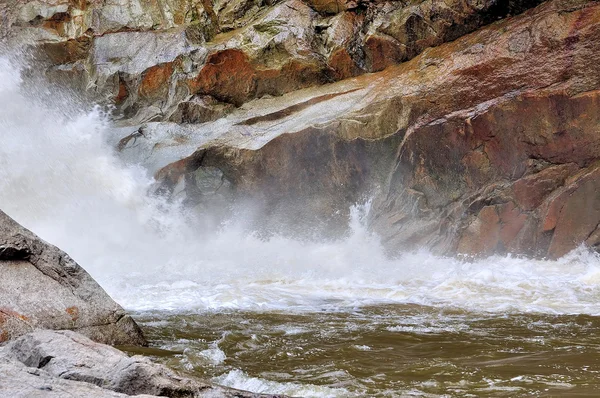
[20, 381]
[43, 288]
[47, 362]
[472, 147]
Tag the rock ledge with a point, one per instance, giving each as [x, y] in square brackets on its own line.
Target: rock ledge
[57, 363]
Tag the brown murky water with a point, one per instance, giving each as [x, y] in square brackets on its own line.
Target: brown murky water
[384, 351]
[298, 329]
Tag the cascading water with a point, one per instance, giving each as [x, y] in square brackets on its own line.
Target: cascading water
[60, 177]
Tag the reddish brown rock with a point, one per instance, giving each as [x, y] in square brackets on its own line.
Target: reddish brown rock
[122, 93]
[527, 142]
[483, 235]
[155, 82]
[474, 125]
[382, 52]
[579, 215]
[475, 145]
[513, 221]
[530, 191]
[228, 76]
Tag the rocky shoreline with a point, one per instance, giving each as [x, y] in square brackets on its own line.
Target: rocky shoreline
[43, 288]
[58, 363]
[49, 304]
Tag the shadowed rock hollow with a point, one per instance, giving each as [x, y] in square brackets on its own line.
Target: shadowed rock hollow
[480, 136]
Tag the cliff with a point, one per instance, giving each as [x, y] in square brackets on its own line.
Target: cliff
[475, 129]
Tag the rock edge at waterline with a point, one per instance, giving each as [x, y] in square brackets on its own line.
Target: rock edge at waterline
[43, 288]
[58, 363]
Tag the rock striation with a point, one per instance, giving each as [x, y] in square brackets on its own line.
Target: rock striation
[157, 59]
[473, 125]
[43, 288]
[54, 364]
[485, 145]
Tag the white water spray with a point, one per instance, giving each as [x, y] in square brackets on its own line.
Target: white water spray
[60, 178]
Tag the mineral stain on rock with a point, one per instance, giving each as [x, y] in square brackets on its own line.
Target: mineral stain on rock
[469, 116]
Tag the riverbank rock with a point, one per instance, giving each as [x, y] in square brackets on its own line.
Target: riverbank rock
[49, 363]
[20, 381]
[43, 288]
[473, 147]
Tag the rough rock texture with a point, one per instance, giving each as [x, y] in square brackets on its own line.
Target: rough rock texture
[151, 58]
[43, 288]
[489, 144]
[48, 363]
[476, 143]
[20, 381]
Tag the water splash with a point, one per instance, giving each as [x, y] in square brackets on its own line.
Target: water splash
[239, 380]
[60, 177]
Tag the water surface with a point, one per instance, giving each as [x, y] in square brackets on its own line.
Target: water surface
[283, 315]
[384, 351]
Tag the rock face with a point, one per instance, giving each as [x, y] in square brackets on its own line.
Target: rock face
[473, 147]
[506, 160]
[155, 59]
[48, 363]
[475, 139]
[43, 288]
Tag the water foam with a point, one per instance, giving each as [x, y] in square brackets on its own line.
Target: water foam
[241, 381]
[60, 177]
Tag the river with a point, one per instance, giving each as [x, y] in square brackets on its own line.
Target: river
[283, 315]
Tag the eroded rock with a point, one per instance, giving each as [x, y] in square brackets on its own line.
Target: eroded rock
[274, 47]
[470, 145]
[47, 363]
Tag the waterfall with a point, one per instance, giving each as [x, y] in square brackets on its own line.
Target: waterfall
[61, 177]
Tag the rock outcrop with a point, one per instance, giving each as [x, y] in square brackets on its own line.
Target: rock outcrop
[474, 139]
[489, 144]
[49, 363]
[43, 288]
[156, 59]
[20, 381]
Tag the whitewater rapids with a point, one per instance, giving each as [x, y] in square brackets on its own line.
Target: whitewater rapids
[61, 177]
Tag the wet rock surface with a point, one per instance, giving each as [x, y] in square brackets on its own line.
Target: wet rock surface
[50, 363]
[43, 288]
[149, 57]
[473, 140]
[474, 147]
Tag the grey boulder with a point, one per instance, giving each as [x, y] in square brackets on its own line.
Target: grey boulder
[65, 355]
[43, 288]
[20, 381]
